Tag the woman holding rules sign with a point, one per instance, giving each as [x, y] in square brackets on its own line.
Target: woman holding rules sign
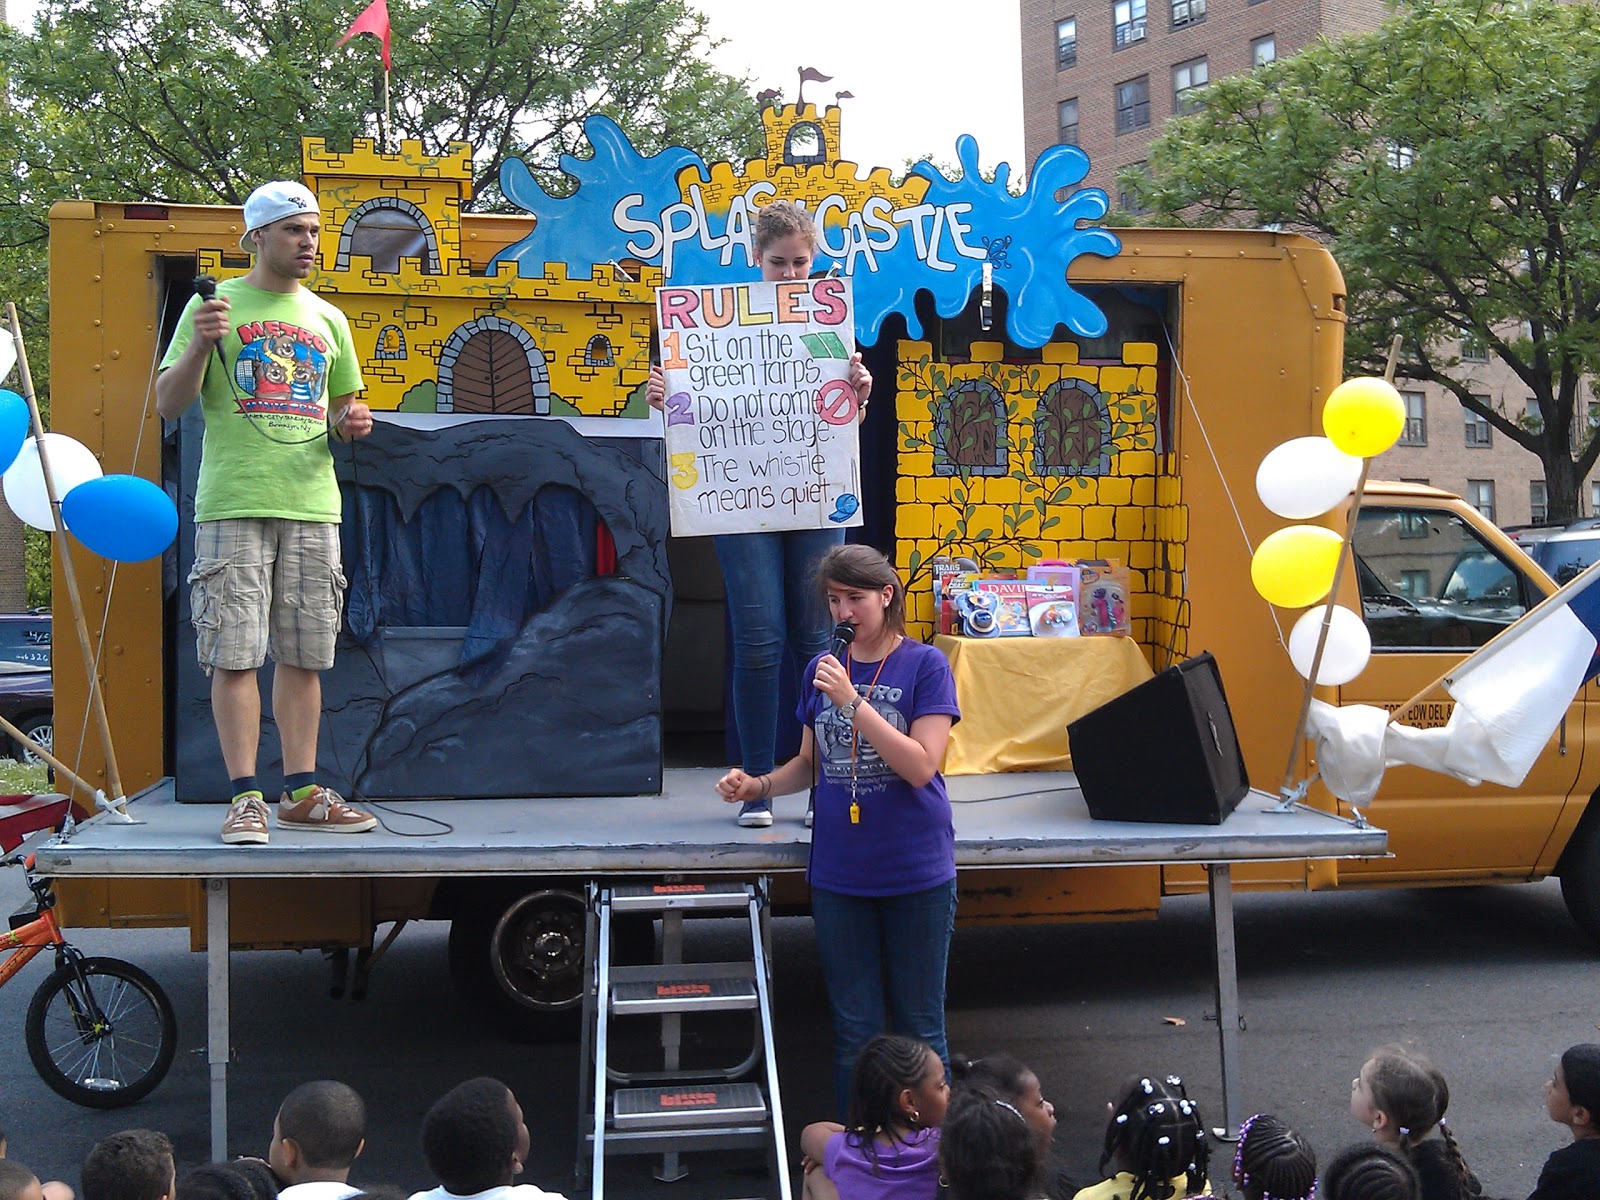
[771, 576]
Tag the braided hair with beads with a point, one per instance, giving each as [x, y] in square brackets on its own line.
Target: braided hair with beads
[1156, 1135]
[1273, 1162]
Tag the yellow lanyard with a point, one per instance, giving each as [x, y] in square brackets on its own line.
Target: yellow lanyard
[855, 737]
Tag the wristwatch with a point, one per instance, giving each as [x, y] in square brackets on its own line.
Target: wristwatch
[848, 711]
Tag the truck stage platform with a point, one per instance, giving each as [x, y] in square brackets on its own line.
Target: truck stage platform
[1023, 819]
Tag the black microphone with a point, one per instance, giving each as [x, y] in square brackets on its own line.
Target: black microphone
[843, 634]
[206, 288]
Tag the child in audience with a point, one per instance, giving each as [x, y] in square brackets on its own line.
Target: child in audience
[1370, 1172]
[889, 1150]
[987, 1148]
[1011, 1081]
[317, 1135]
[51, 1189]
[1572, 1098]
[1273, 1161]
[18, 1183]
[241, 1179]
[135, 1164]
[475, 1142]
[1158, 1142]
[1402, 1098]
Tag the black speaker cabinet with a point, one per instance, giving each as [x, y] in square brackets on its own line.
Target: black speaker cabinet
[1164, 751]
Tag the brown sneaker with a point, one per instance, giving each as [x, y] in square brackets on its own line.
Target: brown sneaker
[323, 811]
[246, 821]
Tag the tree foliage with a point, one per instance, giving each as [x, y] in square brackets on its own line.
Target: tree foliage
[1450, 161]
[198, 101]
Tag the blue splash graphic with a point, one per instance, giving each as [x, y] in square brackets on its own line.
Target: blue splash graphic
[626, 205]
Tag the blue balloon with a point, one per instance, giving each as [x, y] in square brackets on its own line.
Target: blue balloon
[14, 423]
[121, 517]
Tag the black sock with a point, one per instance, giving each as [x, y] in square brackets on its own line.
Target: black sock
[300, 779]
[245, 783]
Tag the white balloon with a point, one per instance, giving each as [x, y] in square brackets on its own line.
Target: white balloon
[71, 463]
[8, 354]
[1306, 477]
[1346, 653]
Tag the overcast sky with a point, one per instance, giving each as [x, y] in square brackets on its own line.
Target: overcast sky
[921, 73]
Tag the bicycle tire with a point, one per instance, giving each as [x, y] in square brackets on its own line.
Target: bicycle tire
[101, 1068]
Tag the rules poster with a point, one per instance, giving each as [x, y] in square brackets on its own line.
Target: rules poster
[761, 420]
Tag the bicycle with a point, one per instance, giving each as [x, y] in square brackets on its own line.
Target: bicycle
[100, 1032]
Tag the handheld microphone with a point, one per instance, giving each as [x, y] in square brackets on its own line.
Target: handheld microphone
[843, 634]
[206, 288]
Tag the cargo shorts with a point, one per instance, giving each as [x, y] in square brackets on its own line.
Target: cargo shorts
[264, 585]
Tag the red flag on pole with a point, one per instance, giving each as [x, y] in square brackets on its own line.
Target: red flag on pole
[374, 19]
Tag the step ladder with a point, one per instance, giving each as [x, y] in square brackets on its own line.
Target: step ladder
[674, 1109]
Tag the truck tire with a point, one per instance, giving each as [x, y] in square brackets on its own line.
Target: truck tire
[517, 955]
[1580, 874]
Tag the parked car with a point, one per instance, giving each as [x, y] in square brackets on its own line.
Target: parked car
[27, 694]
[1564, 555]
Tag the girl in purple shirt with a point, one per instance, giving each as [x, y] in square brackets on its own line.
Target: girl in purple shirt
[883, 870]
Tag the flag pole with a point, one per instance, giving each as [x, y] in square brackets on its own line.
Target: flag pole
[1504, 638]
[1346, 552]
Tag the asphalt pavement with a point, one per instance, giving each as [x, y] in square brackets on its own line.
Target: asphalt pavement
[1491, 982]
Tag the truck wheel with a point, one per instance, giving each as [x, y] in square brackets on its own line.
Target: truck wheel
[1580, 875]
[518, 956]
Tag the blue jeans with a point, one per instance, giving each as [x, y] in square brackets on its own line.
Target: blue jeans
[771, 581]
[868, 942]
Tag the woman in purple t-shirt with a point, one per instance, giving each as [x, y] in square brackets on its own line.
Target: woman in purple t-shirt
[883, 870]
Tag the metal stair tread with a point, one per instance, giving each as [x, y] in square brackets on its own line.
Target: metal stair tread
[658, 897]
[683, 995]
[688, 1106]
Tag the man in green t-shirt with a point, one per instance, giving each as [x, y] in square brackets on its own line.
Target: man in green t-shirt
[264, 355]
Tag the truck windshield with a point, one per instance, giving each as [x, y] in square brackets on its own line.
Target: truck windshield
[1428, 581]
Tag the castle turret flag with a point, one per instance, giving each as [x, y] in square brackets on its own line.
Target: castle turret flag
[374, 19]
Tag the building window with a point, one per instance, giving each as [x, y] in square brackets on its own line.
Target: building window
[1532, 417]
[1133, 104]
[1594, 497]
[1538, 502]
[1415, 432]
[1187, 79]
[1129, 18]
[1127, 198]
[1474, 349]
[1066, 43]
[1399, 156]
[1478, 432]
[1188, 12]
[970, 434]
[1263, 50]
[1067, 121]
[1414, 584]
[1480, 494]
[1072, 430]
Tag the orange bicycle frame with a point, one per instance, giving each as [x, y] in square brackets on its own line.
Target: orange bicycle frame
[26, 941]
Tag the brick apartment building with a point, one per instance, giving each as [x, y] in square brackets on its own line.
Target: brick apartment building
[1107, 74]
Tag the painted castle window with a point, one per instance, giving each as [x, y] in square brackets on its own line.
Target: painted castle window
[493, 365]
[969, 430]
[391, 343]
[804, 144]
[387, 229]
[598, 352]
[1071, 430]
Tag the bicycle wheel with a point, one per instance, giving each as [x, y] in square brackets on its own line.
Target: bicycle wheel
[101, 1032]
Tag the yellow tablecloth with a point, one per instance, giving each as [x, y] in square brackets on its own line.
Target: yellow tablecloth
[1018, 694]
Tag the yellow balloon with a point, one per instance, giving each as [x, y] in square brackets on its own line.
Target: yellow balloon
[1294, 567]
[1364, 416]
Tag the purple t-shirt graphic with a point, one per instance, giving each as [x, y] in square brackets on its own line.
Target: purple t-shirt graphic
[905, 840]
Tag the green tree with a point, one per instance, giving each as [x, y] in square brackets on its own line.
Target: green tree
[1451, 160]
[197, 101]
